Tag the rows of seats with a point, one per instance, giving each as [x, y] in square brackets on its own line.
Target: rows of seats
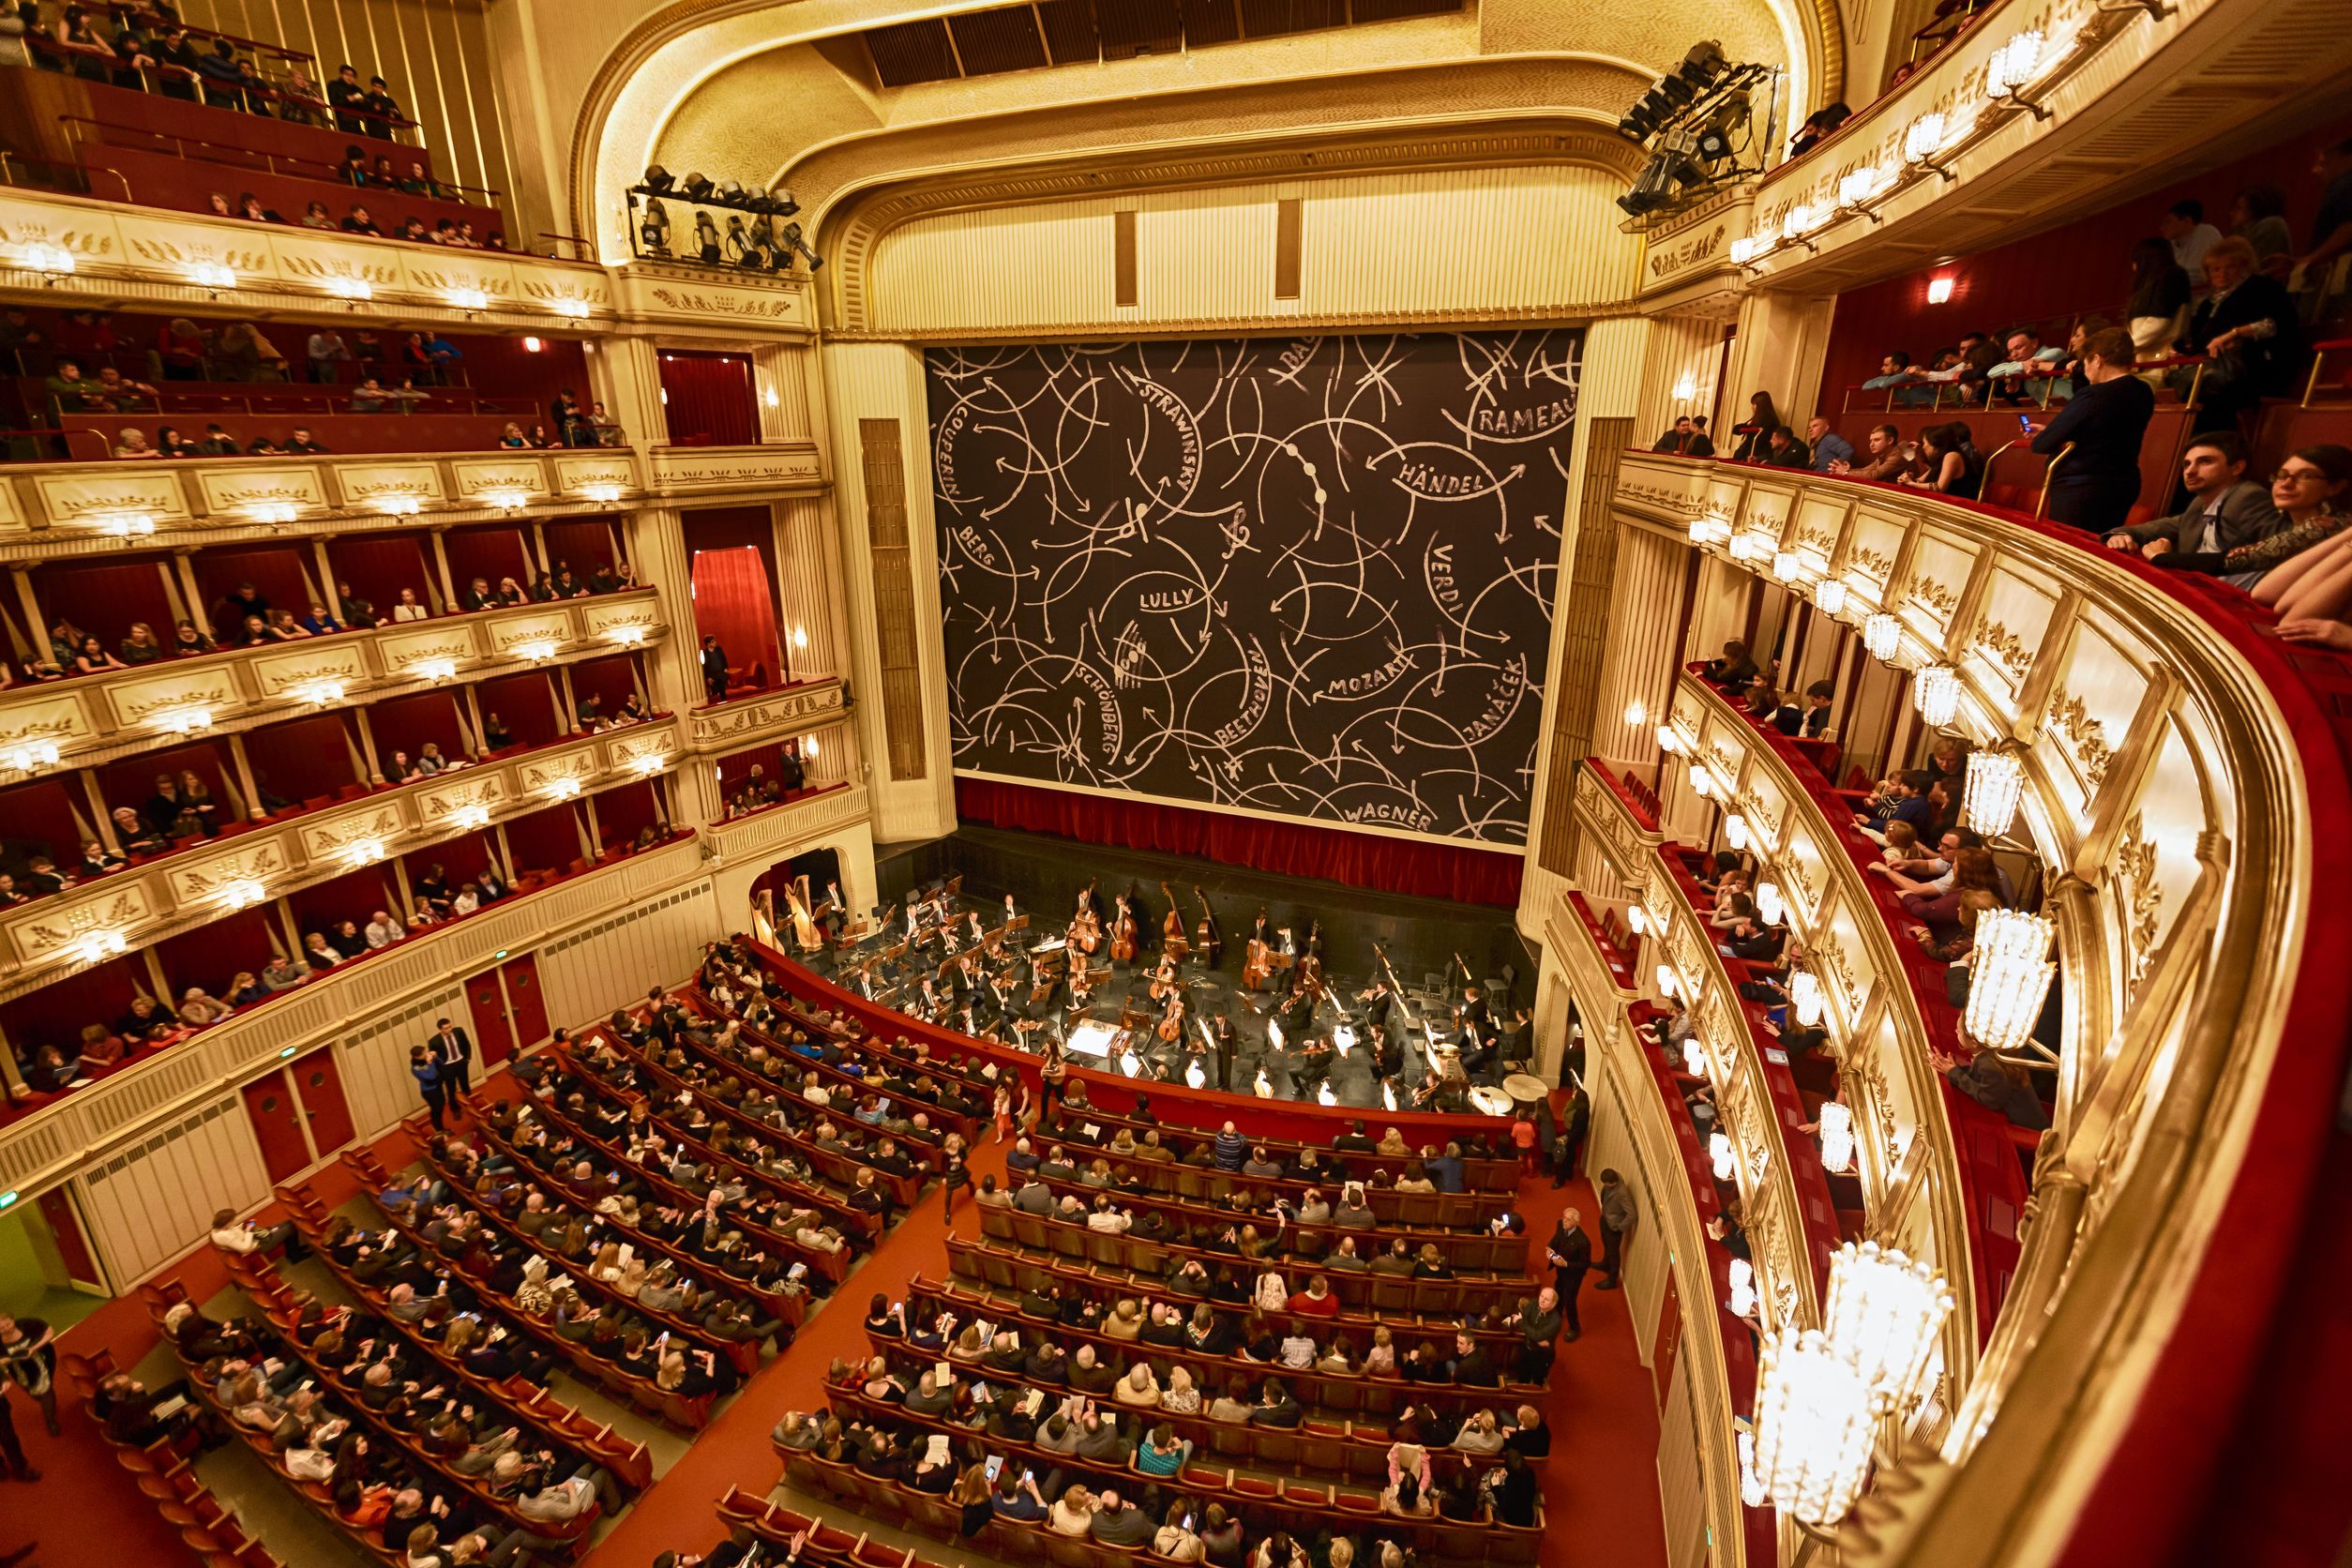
[207, 1527]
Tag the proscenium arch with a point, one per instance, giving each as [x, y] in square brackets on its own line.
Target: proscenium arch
[656, 68]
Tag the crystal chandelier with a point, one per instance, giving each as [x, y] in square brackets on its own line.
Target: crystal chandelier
[1883, 1314]
[1996, 782]
[1881, 635]
[1936, 692]
[1837, 1137]
[2010, 974]
[1814, 1427]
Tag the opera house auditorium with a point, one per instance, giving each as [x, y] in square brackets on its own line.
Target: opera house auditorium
[1130, 783]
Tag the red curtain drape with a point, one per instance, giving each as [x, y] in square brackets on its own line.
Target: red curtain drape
[526, 703]
[583, 544]
[37, 818]
[379, 567]
[1285, 849]
[547, 840]
[406, 723]
[281, 572]
[732, 603]
[102, 600]
[625, 811]
[486, 552]
[707, 400]
[612, 678]
[303, 757]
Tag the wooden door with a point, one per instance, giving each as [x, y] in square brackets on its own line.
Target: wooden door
[73, 1243]
[317, 1081]
[526, 1004]
[276, 1116]
[493, 1036]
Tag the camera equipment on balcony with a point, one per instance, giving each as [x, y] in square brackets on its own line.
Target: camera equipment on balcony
[1699, 122]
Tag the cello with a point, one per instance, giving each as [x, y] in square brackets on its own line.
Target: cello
[1171, 1027]
[1123, 933]
[1086, 927]
[1172, 929]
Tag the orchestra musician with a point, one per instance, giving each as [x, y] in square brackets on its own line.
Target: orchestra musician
[1164, 981]
[1311, 1063]
[1084, 936]
[1222, 1033]
[927, 1004]
[1473, 1011]
[1012, 910]
[1388, 1051]
[1123, 932]
[979, 932]
[1171, 1027]
[1257, 953]
[1376, 998]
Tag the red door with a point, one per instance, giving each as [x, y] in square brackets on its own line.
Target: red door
[73, 1248]
[319, 1085]
[525, 1005]
[494, 1036]
[270, 1105]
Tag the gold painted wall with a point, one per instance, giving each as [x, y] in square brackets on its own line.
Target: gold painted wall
[434, 54]
[1434, 246]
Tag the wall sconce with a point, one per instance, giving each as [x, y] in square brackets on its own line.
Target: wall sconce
[363, 851]
[562, 788]
[1785, 565]
[211, 277]
[1702, 783]
[1745, 249]
[405, 506]
[1882, 1316]
[1693, 1057]
[184, 720]
[1743, 1300]
[433, 668]
[532, 345]
[1989, 793]
[809, 749]
[1829, 595]
[1770, 906]
[648, 765]
[1685, 387]
[471, 816]
[1719, 1151]
[800, 639]
[1668, 742]
[98, 946]
[1881, 635]
[1668, 984]
[1928, 135]
[1815, 1427]
[1637, 920]
[507, 499]
[2010, 978]
[1936, 692]
[1636, 714]
[574, 309]
[242, 893]
[770, 398]
[1804, 997]
[1940, 289]
[124, 525]
[1857, 190]
[1837, 1137]
[2014, 64]
[468, 300]
[352, 289]
[604, 495]
[320, 693]
[52, 262]
[627, 637]
[272, 511]
[1735, 830]
[27, 756]
[537, 651]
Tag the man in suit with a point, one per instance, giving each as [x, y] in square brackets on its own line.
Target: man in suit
[1569, 1254]
[453, 1053]
[2226, 509]
[713, 670]
[1617, 1223]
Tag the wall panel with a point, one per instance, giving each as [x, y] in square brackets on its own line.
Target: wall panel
[591, 971]
[146, 1203]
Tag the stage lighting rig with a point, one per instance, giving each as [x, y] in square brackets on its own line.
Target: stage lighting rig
[1699, 122]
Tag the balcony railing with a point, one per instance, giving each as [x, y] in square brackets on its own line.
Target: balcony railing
[93, 717]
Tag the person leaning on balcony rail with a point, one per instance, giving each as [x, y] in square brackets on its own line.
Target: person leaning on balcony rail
[1951, 465]
[2095, 485]
[2311, 492]
[2225, 511]
[1755, 433]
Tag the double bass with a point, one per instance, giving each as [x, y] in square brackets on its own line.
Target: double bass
[1123, 933]
[1086, 927]
[1257, 956]
[1172, 929]
[1171, 1027]
[1205, 940]
[1164, 981]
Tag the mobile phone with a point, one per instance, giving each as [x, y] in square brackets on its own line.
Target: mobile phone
[995, 1464]
[2024, 424]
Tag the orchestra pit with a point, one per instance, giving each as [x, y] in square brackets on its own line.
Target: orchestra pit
[1115, 783]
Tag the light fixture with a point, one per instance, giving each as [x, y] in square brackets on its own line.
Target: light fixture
[1745, 249]
[604, 495]
[2012, 65]
[26, 756]
[363, 851]
[508, 499]
[2008, 976]
[1923, 138]
[468, 300]
[1685, 387]
[1940, 289]
[1735, 830]
[1837, 1137]
[563, 789]
[319, 693]
[1936, 692]
[1785, 565]
[800, 639]
[242, 893]
[405, 504]
[1702, 783]
[1881, 635]
[125, 523]
[650, 764]
[1989, 793]
[211, 275]
[577, 310]
[1693, 1057]
[537, 651]
[1883, 1313]
[1637, 920]
[352, 289]
[1668, 742]
[1829, 596]
[1801, 219]
[98, 946]
[272, 511]
[1752, 1493]
[1804, 997]
[627, 637]
[52, 262]
[184, 720]
[1742, 1299]
[532, 345]
[1324, 1094]
[1814, 1427]
[809, 748]
[770, 398]
[1726, 1162]
[471, 816]
[1668, 986]
[1858, 189]
[434, 669]
[1637, 715]
[1771, 907]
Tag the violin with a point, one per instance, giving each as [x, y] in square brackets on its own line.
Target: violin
[1122, 934]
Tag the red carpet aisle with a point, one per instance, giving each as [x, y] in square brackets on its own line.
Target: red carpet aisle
[1601, 1490]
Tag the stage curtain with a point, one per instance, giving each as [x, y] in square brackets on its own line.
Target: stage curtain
[1285, 848]
[732, 603]
[707, 399]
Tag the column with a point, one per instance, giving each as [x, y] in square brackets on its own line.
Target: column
[1779, 351]
[181, 562]
[245, 777]
[368, 747]
[441, 571]
[101, 813]
[626, 374]
[656, 547]
[814, 630]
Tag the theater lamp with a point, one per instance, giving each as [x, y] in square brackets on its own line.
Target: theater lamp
[537, 651]
[98, 946]
[1637, 715]
[1785, 565]
[1837, 1137]
[242, 893]
[1735, 830]
[433, 668]
[1702, 783]
[1939, 290]
[468, 300]
[184, 720]
[211, 277]
[401, 505]
[1936, 692]
[1771, 907]
[650, 764]
[52, 262]
[1814, 1427]
[1742, 1299]
[1668, 984]
[1637, 920]
[1693, 1057]
[1719, 1150]
[1994, 783]
[562, 788]
[1746, 249]
[363, 851]
[1881, 635]
[26, 756]
[2012, 65]
[472, 817]
[1883, 1313]
[1668, 742]
[1804, 997]
[1829, 596]
[353, 290]
[2008, 976]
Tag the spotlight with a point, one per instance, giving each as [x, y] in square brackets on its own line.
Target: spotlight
[791, 244]
[730, 192]
[697, 187]
[658, 180]
[785, 206]
[1703, 64]
[1678, 93]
